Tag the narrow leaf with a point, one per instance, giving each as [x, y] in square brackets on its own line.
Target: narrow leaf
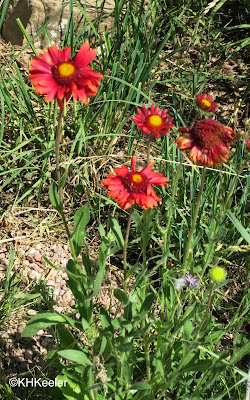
[54, 197]
[140, 386]
[81, 219]
[117, 231]
[238, 226]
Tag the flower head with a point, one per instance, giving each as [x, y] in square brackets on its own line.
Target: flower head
[248, 145]
[208, 141]
[153, 121]
[127, 187]
[57, 75]
[218, 274]
[206, 103]
[190, 280]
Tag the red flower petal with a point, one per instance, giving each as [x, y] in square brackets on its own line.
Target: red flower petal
[58, 76]
[208, 140]
[153, 121]
[126, 187]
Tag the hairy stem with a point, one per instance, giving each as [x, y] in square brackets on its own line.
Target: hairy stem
[58, 141]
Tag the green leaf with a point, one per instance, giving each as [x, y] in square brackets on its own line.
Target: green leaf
[147, 304]
[202, 365]
[72, 390]
[41, 321]
[87, 264]
[238, 226]
[105, 319]
[188, 329]
[108, 350]
[85, 325]
[81, 219]
[100, 274]
[138, 221]
[76, 356]
[121, 323]
[140, 386]
[78, 287]
[117, 231]
[54, 197]
[125, 347]
[102, 345]
[240, 353]
[121, 296]
[65, 336]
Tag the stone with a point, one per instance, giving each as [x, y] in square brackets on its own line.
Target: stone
[35, 13]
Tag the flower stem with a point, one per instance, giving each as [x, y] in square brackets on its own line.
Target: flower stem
[148, 148]
[196, 212]
[125, 249]
[58, 141]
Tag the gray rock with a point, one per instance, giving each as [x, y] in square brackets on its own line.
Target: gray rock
[35, 13]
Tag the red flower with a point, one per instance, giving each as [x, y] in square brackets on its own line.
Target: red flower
[206, 103]
[126, 186]
[248, 145]
[208, 140]
[153, 120]
[55, 74]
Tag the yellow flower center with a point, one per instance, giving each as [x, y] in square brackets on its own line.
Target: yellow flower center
[66, 69]
[137, 178]
[218, 274]
[206, 103]
[155, 121]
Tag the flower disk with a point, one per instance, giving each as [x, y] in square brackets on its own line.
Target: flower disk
[208, 140]
[127, 187]
[206, 102]
[56, 75]
[153, 121]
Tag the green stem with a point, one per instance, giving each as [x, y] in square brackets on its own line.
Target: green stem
[62, 115]
[125, 250]
[196, 212]
[58, 141]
